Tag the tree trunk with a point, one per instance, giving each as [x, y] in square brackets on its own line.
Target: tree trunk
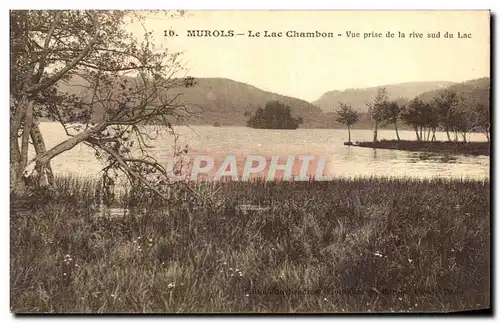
[17, 115]
[349, 131]
[375, 132]
[28, 121]
[40, 148]
[416, 132]
[17, 186]
[448, 134]
[19, 155]
[428, 133]
[433, 134]
[38, 170]
[396, 128]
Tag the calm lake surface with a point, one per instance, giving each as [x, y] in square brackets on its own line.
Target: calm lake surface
[342, 161]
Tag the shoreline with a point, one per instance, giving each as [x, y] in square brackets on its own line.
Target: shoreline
[464, 148]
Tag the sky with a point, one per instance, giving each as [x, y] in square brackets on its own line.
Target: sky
[308, 67]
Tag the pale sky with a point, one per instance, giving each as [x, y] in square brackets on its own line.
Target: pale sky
[308, 67]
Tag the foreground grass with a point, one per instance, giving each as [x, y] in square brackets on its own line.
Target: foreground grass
[452, 147]
[312, 247]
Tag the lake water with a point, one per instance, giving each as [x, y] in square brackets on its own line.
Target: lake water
[342, 161]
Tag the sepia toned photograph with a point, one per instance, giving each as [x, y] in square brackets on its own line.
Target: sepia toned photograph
[250, 162]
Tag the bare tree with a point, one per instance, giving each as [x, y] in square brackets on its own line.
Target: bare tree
[482, 113]
[446, 103]
[393, 112]
[377, 108]
[127, 93]
[348, 116]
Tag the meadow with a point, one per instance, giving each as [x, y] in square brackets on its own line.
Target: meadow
[342, 246]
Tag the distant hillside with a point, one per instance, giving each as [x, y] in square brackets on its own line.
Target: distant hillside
[224, 101]
[473, 92]
[358, 98]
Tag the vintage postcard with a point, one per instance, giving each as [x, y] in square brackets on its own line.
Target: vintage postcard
[249, 161]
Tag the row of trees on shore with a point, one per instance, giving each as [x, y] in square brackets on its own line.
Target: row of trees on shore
[447, 111]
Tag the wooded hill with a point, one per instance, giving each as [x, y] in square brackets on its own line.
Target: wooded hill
[229, 103]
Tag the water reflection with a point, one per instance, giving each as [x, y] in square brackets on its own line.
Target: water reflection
[447, 158]
[349, 154]
[434, 157]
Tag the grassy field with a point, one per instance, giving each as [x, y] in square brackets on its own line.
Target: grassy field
[360, 245]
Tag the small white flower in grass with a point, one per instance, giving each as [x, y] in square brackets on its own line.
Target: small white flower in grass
[64, 274]
[410, 260]
[400, 298]
[247, 295]
[150, 240]
[171, 285]
[325, 299]
[224, 263]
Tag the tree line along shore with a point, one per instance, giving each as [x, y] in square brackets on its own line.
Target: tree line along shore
[447, 111]
[466, 148]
